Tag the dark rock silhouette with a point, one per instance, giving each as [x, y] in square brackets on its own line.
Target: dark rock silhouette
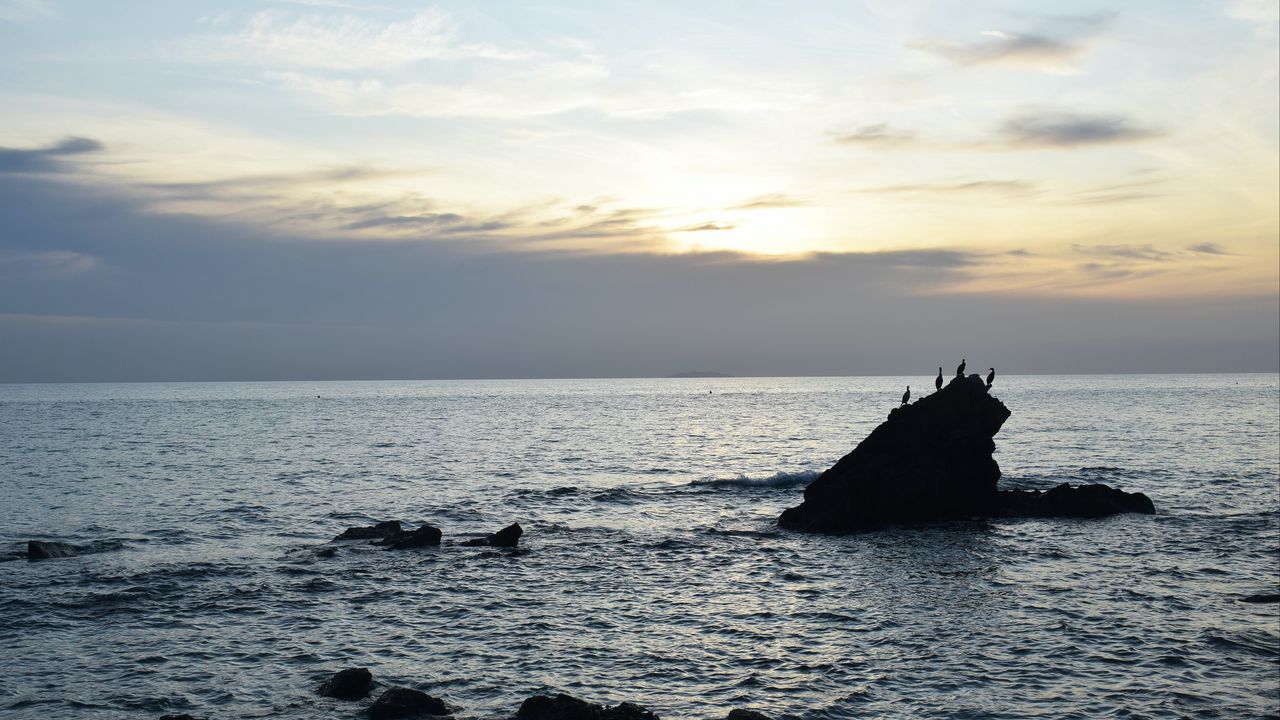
[183, 716]
[406, 703]
[42, 550]
[1065, 500]
[566, 707]
[424, 536]
[928, 461]
[348, 684]
[1264, 598]
[740, 714]
[933, 461]
[381, 531]
[508, 536]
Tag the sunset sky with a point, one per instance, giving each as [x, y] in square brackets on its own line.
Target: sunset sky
[315, 189]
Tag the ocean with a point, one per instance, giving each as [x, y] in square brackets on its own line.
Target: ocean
[652, 568]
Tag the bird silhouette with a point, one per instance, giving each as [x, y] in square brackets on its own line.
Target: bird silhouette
[991, 377]
[906, 395]
[960, 370]
[937, 382]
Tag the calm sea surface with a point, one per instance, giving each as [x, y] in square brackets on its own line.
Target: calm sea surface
[654, 571]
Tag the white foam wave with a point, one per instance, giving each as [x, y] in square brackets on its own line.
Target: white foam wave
[776, 480]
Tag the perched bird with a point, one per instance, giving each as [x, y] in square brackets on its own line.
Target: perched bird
[960, 370]
[991, 377]
[937, 382]
[906, 395]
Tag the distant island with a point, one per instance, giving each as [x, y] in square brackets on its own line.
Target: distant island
[699, 374]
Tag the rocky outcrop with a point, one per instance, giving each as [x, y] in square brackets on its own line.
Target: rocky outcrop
[406, 703]
[349, 684]
[1079, 501]
[566, 707]
[42, 550]
[931, 460]
[507, 537]
[745, 715]
[381, 531]
[424, 536]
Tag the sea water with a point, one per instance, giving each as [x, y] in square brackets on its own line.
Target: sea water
[652, 568]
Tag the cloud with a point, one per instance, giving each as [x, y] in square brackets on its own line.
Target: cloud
[1207, 248]
[1061, 129]
[342, 42]
[1129, 252]
[1259, 11]
[707, 227]
[770, 201]
[46, 159]
[1060, 40]
[27, 10]
[879, 134]
[1009, 187]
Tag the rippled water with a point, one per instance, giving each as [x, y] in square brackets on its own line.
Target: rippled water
[653, 570]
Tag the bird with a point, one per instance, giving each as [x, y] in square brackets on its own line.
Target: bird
[991, 377]
[906, 395]
[960, 370]
[937, 382]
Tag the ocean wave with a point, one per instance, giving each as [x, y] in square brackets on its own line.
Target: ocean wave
[776, 480]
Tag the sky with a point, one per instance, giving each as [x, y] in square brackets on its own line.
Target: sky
[316, 189]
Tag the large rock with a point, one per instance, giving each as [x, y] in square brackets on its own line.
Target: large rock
[348, 684]
[42, 550]
[406, 703]
[1080, 501]
[929, 461]
[424, 536]
[508, 536]
[567, 707]
[381, 531]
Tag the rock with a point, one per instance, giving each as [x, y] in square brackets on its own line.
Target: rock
[381, 531]
[1065, 500]
[348, 684]
[566, 707]
[183, 716]
[422, 537]
[406, 703]
[746, 715]
[41, 550]
[508, 536]
[1261, 598]
[931, 460]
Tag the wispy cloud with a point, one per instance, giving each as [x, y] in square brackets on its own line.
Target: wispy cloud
[46, 159]
[27, 10]
[1063, 129]
[877, 135]
[1059, 40]
[1207, 248]
[770, 201]
[1009, 187]
[343, 42]
[1128, 252]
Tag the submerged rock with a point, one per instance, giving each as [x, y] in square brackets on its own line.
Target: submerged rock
[422, 537]
[929, 461]
[42, 550]
[740, 714]
[381, 531]
[508, 536]
[348, 684]
[1263, 598]
[566, 707]
[406, 703]
[1065, 500]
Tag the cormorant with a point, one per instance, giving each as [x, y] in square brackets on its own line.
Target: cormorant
[937, 382]
[960, 370]
[991, 377]
[906, 395]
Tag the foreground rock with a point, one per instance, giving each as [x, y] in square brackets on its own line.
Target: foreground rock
[381, 531]
[566, 707]
[507, 537]
[406, 703]
[933, 461]
[41, 550]
[349, 684]
[1080, 501]
[928, 461]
